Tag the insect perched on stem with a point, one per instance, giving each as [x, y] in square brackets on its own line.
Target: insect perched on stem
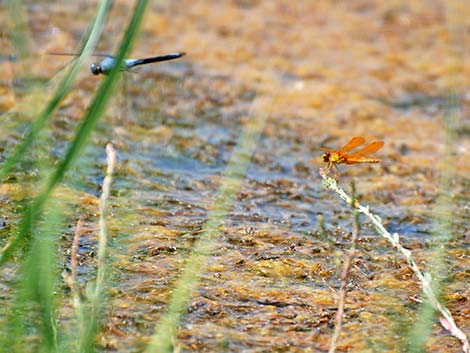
[335, 157]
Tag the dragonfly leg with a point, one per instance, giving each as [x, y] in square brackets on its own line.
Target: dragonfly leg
[336, 173]
[328, 168]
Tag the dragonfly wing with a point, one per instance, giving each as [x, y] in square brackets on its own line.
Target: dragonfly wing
[353, 143]
[369, 149]
[78, 54]
[327, 149]
[103, 55]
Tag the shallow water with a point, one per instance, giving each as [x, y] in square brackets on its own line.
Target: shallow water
[328, 71]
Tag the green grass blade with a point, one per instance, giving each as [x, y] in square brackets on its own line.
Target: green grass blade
[62, 90]
[34, 300]
[20, 34]
[166, 331]
[84, 130]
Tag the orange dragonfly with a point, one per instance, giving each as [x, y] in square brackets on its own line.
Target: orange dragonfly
[335, 157]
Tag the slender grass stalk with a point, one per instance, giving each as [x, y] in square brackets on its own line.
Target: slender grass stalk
[87, 315]
[62, 90]
[72, 280]
[442, 234]
[42, 272]
[166, 331]
[103, 238]
[84, 130]
[74, 340]
[91, 320]
[34, 300]
[19, 32]
[394, 239]
[457, 22]
[345, 274]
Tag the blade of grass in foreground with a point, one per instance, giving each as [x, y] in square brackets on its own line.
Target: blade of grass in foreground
[17, 28]
[84, 130]
[19, 32]
[457, 21]
[441, 230]
[34, 300]
[166, 331]
[62, 90]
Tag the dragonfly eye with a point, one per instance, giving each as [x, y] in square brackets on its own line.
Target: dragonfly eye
[96, 69]
[326, 157]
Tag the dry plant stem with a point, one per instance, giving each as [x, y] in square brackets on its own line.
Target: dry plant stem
[344, 281]
[73, 281]
[103, 237]
[89, 318]
[446, 320]
[7, 245]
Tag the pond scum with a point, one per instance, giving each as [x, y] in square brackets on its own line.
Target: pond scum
[32, 248]
[430, 287]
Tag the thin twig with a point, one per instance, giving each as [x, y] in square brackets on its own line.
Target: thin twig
[73, 280]
[91, 320]
[447, 321]
[344, 277]
[103, 237]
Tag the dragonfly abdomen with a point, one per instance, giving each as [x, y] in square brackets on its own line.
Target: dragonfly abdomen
[352, 160]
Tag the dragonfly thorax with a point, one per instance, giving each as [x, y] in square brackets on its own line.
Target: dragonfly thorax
[332, 157]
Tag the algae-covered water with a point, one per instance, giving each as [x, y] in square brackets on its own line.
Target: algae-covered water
[310, 74]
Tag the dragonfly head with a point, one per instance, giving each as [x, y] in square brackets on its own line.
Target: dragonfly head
[96, 69]
[326, 157]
